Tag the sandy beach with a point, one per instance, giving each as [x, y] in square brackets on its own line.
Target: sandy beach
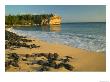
[83, 60]
[70, 41]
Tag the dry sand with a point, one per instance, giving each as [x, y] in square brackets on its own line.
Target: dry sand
[84, 61]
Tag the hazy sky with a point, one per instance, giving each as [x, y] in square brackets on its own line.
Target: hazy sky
[69, 13]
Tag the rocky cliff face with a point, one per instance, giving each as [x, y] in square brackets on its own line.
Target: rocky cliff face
[55, 20]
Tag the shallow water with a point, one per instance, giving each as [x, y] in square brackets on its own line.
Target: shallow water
[88, 36]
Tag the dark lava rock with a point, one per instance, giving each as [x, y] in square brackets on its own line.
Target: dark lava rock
[65, 60]
[26, 40]
[60, 65]
[13, 40]
[55, 55]
[8, 63]
[68, 57]
[11, 62]
[40, 62]
[27, 55]
[43, 68]
[52, 64]
[15, 64]
[68, 67]
[33, 46]
[14, 56]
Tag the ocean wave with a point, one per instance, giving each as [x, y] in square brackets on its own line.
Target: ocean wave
[89, 42]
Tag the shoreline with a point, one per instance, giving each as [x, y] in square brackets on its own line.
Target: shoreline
[87, 48]
[84, 61]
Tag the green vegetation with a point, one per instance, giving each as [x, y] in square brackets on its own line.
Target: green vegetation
[27, 19]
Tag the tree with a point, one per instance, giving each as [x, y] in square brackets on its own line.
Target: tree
[26, 19]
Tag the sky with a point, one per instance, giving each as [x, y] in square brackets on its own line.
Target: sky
[69, 13]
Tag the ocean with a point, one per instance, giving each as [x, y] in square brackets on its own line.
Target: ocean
[89, 36]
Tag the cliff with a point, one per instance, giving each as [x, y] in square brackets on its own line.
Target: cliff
[55, 20]
[29, 20]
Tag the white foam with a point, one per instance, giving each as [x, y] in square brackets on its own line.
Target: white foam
[84, 41]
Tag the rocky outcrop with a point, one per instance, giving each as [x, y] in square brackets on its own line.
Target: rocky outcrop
[55, 20]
